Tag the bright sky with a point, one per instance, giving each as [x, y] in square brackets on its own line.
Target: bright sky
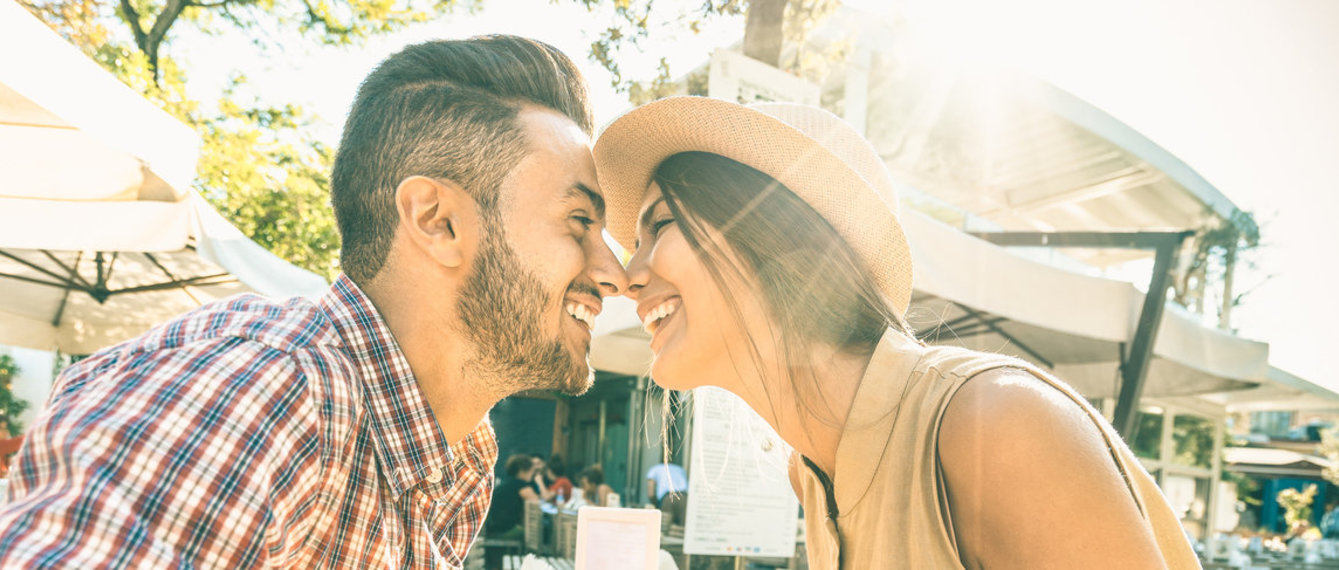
[326, 79]
[1246, 92]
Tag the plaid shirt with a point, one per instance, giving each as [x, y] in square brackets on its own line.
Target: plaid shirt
[247, 433]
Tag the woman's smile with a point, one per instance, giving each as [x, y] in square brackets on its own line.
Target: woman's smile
[656, 317]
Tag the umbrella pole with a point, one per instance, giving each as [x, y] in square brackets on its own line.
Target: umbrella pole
[173, 278]
[65, 297]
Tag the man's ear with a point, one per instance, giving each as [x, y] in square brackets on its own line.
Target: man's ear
[438, 217]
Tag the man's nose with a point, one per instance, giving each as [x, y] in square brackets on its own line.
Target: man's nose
[605, 269]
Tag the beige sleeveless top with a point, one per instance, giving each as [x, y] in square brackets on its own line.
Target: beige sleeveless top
[890, 495]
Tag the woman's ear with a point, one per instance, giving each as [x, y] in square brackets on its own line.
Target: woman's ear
[440, 218]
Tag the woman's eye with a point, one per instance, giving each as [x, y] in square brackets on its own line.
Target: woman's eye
[660, 225]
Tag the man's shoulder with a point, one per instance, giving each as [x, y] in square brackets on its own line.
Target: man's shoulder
[240, 331]
[288, 325]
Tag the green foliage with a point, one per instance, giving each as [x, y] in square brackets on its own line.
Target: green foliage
[10, 406]
[636, 21]
[1213, 251]
[1193, 438]
[1329, 448]
[258, 168]
[259, 164]
[1296, 505]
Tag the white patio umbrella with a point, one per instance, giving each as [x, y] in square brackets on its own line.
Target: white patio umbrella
[101, 236]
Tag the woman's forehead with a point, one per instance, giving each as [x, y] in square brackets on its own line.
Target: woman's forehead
[649, 198]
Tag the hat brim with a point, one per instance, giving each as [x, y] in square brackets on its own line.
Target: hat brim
[630, 149]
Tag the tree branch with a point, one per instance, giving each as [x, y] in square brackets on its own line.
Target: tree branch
[171, 11]
[209, 5]
[132, 18]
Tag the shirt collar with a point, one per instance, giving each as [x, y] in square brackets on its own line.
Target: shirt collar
[868, 429]
[409, 443]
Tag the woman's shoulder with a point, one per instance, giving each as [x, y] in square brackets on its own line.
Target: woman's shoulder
[1014, 404]
[1013, 447]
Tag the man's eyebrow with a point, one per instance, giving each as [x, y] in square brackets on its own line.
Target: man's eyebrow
[578, 190]
[645, 220]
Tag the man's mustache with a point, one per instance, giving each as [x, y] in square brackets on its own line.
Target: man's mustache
[584, 287]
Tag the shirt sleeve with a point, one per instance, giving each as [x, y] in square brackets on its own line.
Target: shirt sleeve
[203, 456]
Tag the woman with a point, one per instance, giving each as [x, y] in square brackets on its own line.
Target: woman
[770, 263]
[593, 490]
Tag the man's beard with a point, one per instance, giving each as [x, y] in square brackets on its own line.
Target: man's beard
[501, 308]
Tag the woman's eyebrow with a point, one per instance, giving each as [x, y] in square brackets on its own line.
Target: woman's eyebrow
[646, 214]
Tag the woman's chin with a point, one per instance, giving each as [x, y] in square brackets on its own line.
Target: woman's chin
[667, 375]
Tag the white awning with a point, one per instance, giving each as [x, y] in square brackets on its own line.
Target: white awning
[101, 235]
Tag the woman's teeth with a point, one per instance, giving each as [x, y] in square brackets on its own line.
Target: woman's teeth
[582, 313]
[653, 318]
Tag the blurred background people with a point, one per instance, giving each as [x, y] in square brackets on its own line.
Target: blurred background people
[509, 497]
[667, 488]
[559, 484]
[593, 490]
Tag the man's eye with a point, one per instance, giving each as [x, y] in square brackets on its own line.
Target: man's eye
[584, 221]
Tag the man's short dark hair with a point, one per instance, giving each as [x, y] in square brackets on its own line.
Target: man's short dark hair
[518, 463]
[446, 110]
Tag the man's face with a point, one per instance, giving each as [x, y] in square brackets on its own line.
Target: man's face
[531, 298]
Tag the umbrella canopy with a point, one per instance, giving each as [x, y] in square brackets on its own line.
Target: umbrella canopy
[101, 236]
[973, 293]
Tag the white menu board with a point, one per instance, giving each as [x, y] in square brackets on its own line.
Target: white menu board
[617, 539]
[740, 502]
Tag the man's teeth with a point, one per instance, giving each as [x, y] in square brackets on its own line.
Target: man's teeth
[654, 317]
[582, 313]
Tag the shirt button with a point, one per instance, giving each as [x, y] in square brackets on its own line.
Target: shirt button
[434, 476]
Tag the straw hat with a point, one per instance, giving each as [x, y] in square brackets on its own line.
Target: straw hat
[811, 151]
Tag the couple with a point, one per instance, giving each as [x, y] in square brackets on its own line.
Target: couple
[352, 432]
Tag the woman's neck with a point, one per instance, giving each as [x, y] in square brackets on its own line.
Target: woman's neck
[808, 407]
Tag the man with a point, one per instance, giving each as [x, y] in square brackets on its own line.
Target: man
[350, 432]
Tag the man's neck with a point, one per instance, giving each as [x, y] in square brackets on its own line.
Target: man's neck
[420, 318]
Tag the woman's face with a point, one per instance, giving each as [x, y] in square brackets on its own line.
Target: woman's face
[694, 331]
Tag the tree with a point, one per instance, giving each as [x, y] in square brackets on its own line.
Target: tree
[259, 165]
[1211, 256]
[10, 406]
[1297, 507]
[770, 26]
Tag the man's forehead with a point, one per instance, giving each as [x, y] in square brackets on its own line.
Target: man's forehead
[545, 126]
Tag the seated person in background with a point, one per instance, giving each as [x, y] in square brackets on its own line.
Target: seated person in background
[540, 480]
[667, 487]
[507, 513]
[561, 485]
[593, 489]
[1329, 523]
